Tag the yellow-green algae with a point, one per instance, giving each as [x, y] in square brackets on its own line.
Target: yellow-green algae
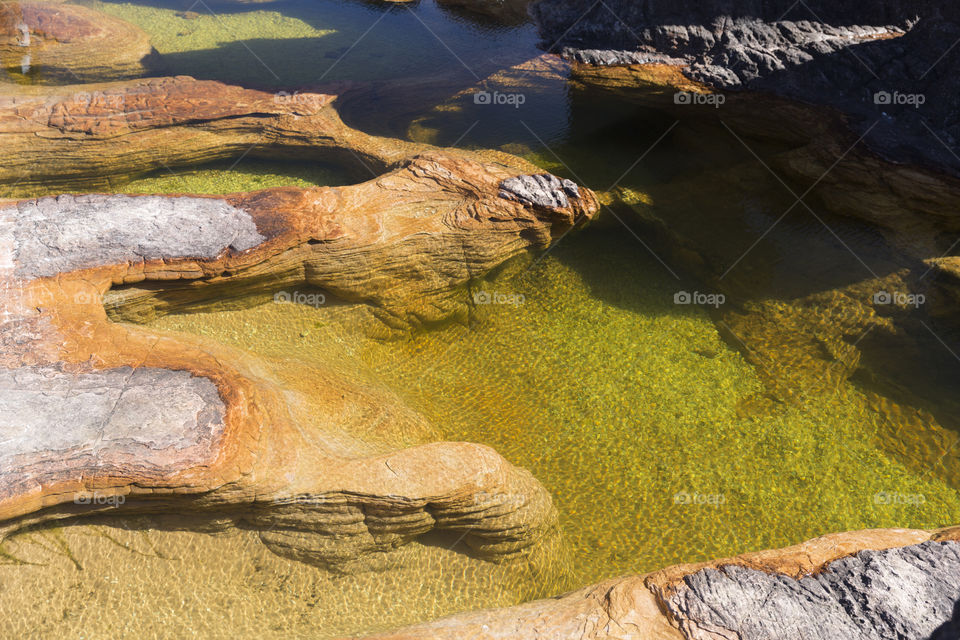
[233, 176]
[227, 176]
[626, 407]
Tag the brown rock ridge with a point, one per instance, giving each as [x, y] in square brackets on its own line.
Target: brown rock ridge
[883, 571]
[70, 43]
[83, 135]
[98, 417]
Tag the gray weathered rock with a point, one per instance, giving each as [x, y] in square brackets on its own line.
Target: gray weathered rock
[63, 233]
[52, 420]
[607, 57]
[543, 190]
[905, 593]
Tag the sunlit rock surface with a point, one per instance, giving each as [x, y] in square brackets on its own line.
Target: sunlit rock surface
[886, 585]
[102, 417]
[68, 42]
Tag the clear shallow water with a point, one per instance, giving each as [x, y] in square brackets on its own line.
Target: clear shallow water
[629, 410]
[662, 437]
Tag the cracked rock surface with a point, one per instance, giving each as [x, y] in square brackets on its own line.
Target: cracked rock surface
[157, 417]
[66, 233]
[906, 593]
[889, 65]
[542, 190]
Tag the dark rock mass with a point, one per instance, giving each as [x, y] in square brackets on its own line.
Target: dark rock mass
[889, 65]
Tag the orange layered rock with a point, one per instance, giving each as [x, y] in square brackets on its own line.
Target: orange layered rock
[657, 606]
[112, 418]
[88, 134]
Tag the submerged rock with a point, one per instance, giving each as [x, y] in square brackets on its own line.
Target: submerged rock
[888, 65]
[881, 585]
[104, 418]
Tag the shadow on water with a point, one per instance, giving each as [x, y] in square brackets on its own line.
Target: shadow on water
[700, 210]
[354, 41]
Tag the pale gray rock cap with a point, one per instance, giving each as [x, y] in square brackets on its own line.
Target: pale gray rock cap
[906, 593]
[544, 190]
[54, 422]
[66, 233]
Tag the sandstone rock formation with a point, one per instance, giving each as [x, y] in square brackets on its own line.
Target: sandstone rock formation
[882, 585]
[51, 42]
[98, 417]
[88, 134]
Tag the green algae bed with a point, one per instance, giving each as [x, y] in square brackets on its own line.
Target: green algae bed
[578, 366]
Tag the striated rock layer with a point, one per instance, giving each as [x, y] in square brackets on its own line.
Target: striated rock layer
[97, 417]
[882, 584]
[86, 134]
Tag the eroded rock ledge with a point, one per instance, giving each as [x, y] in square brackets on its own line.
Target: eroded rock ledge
[98, 417]
[877, 585]
[887, 65]
[92, 133]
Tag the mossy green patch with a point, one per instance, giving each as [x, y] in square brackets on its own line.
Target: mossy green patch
[232, 177]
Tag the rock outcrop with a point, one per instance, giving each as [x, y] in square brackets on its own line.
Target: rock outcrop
[888, 66]
[58, 43]
[98, 417]
[87, 134]
[882, 585]
[907, 592]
